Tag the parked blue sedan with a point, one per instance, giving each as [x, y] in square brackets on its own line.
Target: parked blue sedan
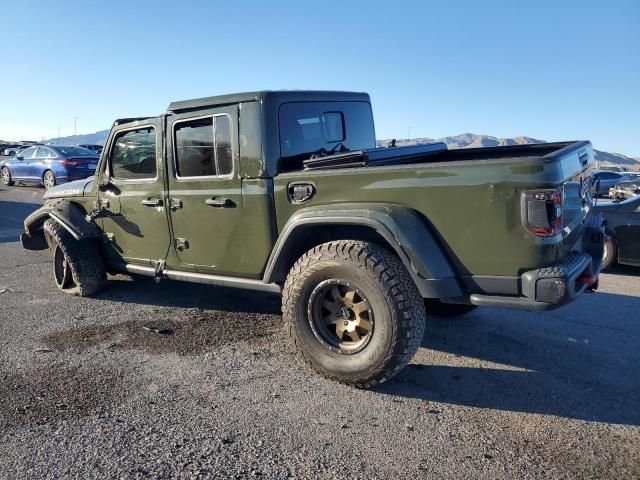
[49, 165]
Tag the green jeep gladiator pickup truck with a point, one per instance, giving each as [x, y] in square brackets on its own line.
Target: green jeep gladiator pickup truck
[286, 192]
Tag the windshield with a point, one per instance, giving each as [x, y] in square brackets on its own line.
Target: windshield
[75, 152]
[307, 127]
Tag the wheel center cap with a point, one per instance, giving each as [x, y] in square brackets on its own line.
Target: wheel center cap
[344, 311]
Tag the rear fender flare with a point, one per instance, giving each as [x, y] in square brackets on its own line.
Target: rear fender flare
[402, 228]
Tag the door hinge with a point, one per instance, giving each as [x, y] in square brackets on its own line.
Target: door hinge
[181, 243]
[175, 204]
[158, 266]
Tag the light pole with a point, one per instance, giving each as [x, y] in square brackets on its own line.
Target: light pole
[75, 125]
[58, 132]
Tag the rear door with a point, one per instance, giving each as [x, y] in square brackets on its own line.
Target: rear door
[138, 230]
[39, 162]
[205, 198]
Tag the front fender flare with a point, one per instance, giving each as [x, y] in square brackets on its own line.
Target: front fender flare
[67, 213]
[402, 228]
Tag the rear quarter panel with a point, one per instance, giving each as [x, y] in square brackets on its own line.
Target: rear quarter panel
[473, 207]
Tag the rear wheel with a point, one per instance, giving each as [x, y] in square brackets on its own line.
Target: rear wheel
[49, 179]
[78, 268]
[5, 174]
[610, 253]
[433, 306]
[353, 311]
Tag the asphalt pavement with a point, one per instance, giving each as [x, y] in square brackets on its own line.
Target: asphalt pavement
[88, 389]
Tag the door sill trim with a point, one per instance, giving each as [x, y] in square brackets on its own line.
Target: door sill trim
[221, 281]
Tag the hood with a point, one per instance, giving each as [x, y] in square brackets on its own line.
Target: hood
[71, 189]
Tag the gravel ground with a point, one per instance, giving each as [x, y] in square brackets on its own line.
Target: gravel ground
[87, 392]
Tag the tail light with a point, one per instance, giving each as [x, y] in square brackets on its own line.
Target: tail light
[69, 163]
[542, 212]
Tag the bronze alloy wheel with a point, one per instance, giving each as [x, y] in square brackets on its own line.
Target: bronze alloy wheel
[61, 270]
[353, 312]
[340, 316]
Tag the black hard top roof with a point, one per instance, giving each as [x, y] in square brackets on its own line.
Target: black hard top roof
[275, 95]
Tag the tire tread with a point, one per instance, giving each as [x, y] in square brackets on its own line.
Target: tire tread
[400, 292]
[84, 259]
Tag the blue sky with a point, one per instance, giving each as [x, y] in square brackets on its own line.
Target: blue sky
[552, 70]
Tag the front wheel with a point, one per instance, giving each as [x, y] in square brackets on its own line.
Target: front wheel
[78, 268]
[49, 179]
[5, 174]
[353, 312]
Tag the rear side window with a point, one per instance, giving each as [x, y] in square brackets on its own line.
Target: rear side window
[43, 152]
[203, 147]
[133, 155]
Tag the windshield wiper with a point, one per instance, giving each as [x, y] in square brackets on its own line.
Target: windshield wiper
[339, 147]
[323, 152]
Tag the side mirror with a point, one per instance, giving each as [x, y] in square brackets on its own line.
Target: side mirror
[103, 181]
[19, 157]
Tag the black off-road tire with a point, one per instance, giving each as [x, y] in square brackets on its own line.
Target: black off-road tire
[610, 253]
[396, 305]
[84, 261]
[6, 177]
[435, 307]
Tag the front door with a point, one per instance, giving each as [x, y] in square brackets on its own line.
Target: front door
[21, 163]
[205, 199]
[137, 229]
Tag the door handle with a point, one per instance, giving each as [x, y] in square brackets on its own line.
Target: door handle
[152, 202]
[220, 202]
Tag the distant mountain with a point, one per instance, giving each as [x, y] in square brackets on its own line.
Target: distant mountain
[97, 138]
[464, 140]
[471, 140]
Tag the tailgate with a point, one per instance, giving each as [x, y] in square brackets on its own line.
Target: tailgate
[576, 164]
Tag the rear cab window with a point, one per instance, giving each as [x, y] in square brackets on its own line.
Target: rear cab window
[307, 127]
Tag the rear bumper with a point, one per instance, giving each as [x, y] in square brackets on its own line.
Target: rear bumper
[551, 287]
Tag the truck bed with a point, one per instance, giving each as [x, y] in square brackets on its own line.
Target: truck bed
[471, 198]
[434, 153]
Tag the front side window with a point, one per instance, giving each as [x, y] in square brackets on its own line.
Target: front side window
[133, 155]
[27, 152]
[203, 147]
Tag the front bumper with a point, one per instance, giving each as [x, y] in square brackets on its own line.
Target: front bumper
[551, 287]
